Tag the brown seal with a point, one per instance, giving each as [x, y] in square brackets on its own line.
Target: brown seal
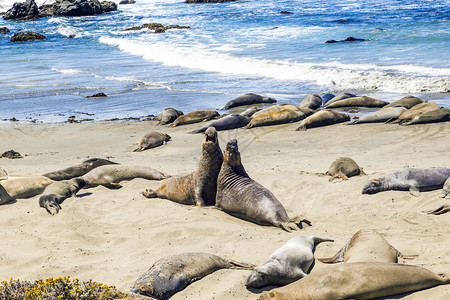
[151, 140]
[362, 101]
[199, 187]
[173, 273]
[432, 116]
[358, 281]
[323, 118]
[279, 114]
[22, 187]
[58, 191]
[343, 168]
[248, 99]
[406, 102]
[241, 196]
[168, 115]
[110, 175]
[415, 111]
[195, 116]
[78, 170]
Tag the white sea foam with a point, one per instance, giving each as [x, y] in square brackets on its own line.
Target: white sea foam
[68, 71]
[396, 78]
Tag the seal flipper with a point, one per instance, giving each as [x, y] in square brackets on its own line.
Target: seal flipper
[294, 224]
[337, 258]
[438, 211]
[50, 203]
[149, 193]
[414, 190]
[240, 265]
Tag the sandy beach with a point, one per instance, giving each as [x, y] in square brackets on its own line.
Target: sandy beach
[113, 236]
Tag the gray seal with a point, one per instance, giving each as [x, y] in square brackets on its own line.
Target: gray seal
[173, 273]
[412, 179]
[362, 101]
[432, 116]
[195, 116]
[248, 99]
[381, 115]
[311, 101]
[78, 170]
[249, 112]
[341, 96]
[287, 264]
[168, 115]
[241, 196]
[226, 123]
[343, 168]
[14, 188]
[198, 188]
[152, 140]
[58, 191]
[416, 110]
[323, 118]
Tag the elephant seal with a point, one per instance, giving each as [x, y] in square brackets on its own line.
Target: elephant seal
[412, 179]
[240, 196]
[287, 264]
[323, 118]
[311, 101]
[248, 99]
[358, 281]
[229, 122]
[58, 191]
[365, 246]
[249, 112]
[198, 188]
[78, 170]
[446, 189]
[151, 140]
[381, 115]
[279, 114]
[432, 116]
[344, 167]
[415, 111]
[195, 116]
[173, 273]
[22, 187]
[168, 115]
[327, 97]
[407, 102]
[341, 96]
[110, 175]
[362, 101]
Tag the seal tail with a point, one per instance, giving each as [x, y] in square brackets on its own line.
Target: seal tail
[354, 122]
[301, 128]
[338, 257]
[240, 266]
[197, 131]
[318, 240]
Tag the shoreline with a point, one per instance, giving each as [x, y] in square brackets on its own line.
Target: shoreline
[113, 236]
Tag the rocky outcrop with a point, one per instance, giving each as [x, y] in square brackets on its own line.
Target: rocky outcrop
[4, 30]
[207, 1]
[349, 39]
[157, 27]
[29, 36]
[23, 11]
[127, 2]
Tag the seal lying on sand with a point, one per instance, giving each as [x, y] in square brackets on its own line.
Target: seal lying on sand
[343, 168]
[323, 118]
[358, 281]
[341, 96]
[22, 187]
[239, 195]
[406, 102]
[57, 192]
[415, 111]
[432, 116]
[109, 176]
[229, 122]
[412, 179]
[279, 114]
[195, 116]
[248, 99]
[363, 101]
[365, 246]
[78, 170]
[172, 274]
[311, 101]
[199, 187]
[287, 264]
[381, 115]
[249, 112]
[168, 115]
[151, 140]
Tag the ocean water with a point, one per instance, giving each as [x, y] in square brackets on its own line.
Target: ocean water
[231, 49]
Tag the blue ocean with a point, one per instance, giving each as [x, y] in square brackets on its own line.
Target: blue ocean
[274, 48]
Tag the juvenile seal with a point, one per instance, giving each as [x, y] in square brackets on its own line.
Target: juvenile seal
[248, 99]
[381, 115]
[287, 264]
[323, 118]
[168, 115]
[412, 179]
[311, 101]
[110, 175]
[195, 116]
[407, 102]
[198, 188]
[362, 101]
[173, 273]
[226, 123]
[58, 191]
[343, 168]
[365, 246]
[415, 111]
[22, 187]
[279, 114]
[241, 196]
[358, 281]
[152, 140]
[78, 170]
[432, 116]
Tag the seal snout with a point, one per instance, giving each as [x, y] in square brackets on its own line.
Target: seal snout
[211, 135]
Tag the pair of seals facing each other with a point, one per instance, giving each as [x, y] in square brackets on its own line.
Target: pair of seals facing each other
[151, 140]
[412, 179]
[287, 264]
[173, 273]
[199, 187]
[248, 99]
[343, 168]
[241, 196]
[323, 118]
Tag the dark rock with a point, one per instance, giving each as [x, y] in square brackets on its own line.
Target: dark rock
[23, 11]
[127, 2]
[207, 1]
[108, 6]
[11, 154]
[98, 95]
[157, 27]
[286, 12]
[349, 39]
[71, 36]
[29, 36]
[4, 30]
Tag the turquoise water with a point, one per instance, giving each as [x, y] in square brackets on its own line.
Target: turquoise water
[231, 49]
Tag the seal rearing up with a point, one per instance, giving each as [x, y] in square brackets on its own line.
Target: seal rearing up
[199, 187]
[241, 196]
